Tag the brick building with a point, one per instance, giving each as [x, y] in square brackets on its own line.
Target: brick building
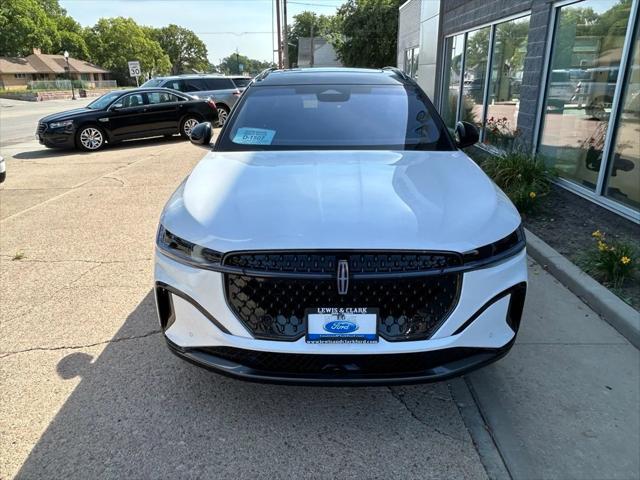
[17, 72]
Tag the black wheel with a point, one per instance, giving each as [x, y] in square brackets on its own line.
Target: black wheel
[223, 114]
[188, 123]
[90, 138]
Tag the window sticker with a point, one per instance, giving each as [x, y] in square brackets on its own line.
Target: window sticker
[254, 136]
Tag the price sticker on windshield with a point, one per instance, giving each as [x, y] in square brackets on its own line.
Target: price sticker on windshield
[254, 136]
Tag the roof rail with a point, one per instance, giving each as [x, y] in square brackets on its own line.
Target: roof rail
[263, 74]
[396, 70]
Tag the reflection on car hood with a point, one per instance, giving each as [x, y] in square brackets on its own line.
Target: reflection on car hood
[66, 115]
[339, 199]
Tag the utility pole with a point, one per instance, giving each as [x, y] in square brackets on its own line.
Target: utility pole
[312, 48]
[285, 36]
[279, 33]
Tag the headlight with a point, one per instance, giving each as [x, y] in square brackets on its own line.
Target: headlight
[64, 123]
[185, 251]
[496, 251]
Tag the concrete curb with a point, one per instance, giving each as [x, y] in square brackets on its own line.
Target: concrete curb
[624, 318]
[480, 432]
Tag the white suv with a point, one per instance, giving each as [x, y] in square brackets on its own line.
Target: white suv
[337, 234]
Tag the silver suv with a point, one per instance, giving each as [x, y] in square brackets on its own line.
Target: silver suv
[225, 91]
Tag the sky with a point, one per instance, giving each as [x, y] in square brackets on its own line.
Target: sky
[223, 25]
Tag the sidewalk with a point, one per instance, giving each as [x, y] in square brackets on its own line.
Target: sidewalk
[565, 403]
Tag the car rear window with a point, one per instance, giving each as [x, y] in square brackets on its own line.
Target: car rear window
[219, 84]
[335, 117]
[241, 82]
[194, 85]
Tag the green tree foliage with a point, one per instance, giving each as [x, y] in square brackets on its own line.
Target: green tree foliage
[230, 65]
[186, 51]
[324, 26]
[24, 24]
[43, 24]
[113, 42]
[368, 33]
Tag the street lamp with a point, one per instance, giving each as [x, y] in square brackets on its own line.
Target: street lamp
[68, 70]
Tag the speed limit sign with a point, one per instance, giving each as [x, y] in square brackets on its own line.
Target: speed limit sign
[134, 69]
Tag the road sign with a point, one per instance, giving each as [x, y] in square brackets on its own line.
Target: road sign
[134, 69]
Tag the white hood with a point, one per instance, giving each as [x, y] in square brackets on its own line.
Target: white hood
[339, 200]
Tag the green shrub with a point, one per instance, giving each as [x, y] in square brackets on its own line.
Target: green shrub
[520, 176]
[613, 260]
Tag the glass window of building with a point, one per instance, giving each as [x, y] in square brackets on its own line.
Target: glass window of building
[475, 71]
[623, 175]
[451, 83]
[507, 67]
[584, 68]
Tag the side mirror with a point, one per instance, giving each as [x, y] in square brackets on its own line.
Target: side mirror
[201, 134]
[467, 134]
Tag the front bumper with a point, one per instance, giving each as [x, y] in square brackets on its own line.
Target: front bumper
[56, 138]
[341, 370]
[200, 327]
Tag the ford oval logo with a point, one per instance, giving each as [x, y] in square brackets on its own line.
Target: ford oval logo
[340, 326]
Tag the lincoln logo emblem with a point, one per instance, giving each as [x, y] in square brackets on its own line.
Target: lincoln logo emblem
[343, 277]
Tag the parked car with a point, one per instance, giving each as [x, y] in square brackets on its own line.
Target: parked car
[3, 169]
[323, 242]
[123, 115]
[225, 91]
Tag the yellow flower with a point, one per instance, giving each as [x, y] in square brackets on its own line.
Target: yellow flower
[532, 195]
[597, 234]
[625, 260]
[602, 246]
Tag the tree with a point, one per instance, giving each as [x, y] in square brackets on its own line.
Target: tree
[186, 51]
[368, 33]
[231, 65]
[43, 24]
[113, 42]
[25, 25]
[303, 23]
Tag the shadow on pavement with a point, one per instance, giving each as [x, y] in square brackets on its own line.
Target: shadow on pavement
[45, 152]
[140, 412]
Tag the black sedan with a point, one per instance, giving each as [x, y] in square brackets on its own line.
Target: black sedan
[123, 115]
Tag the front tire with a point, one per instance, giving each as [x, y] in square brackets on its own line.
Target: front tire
[90, 138]
[223, 114]
[188, 123]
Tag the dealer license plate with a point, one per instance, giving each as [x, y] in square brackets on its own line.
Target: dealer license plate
[342, 325]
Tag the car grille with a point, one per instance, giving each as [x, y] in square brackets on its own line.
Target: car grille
[42, 127]
[409, 307]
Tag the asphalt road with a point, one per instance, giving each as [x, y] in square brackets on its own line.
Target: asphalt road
[89, 389]
[18, 119]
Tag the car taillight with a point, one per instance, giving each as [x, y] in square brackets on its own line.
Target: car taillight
[212, 104]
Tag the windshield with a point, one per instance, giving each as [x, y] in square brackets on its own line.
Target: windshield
[154, 82]
[335, 117]
[104, 101]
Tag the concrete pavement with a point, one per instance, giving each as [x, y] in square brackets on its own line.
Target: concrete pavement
[18, 119]
[90, 391]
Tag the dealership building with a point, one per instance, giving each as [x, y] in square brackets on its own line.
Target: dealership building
[559, 78]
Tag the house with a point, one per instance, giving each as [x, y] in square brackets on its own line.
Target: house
[17, 72]
[323, 53]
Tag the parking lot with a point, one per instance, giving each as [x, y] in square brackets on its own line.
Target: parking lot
[89, 390]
